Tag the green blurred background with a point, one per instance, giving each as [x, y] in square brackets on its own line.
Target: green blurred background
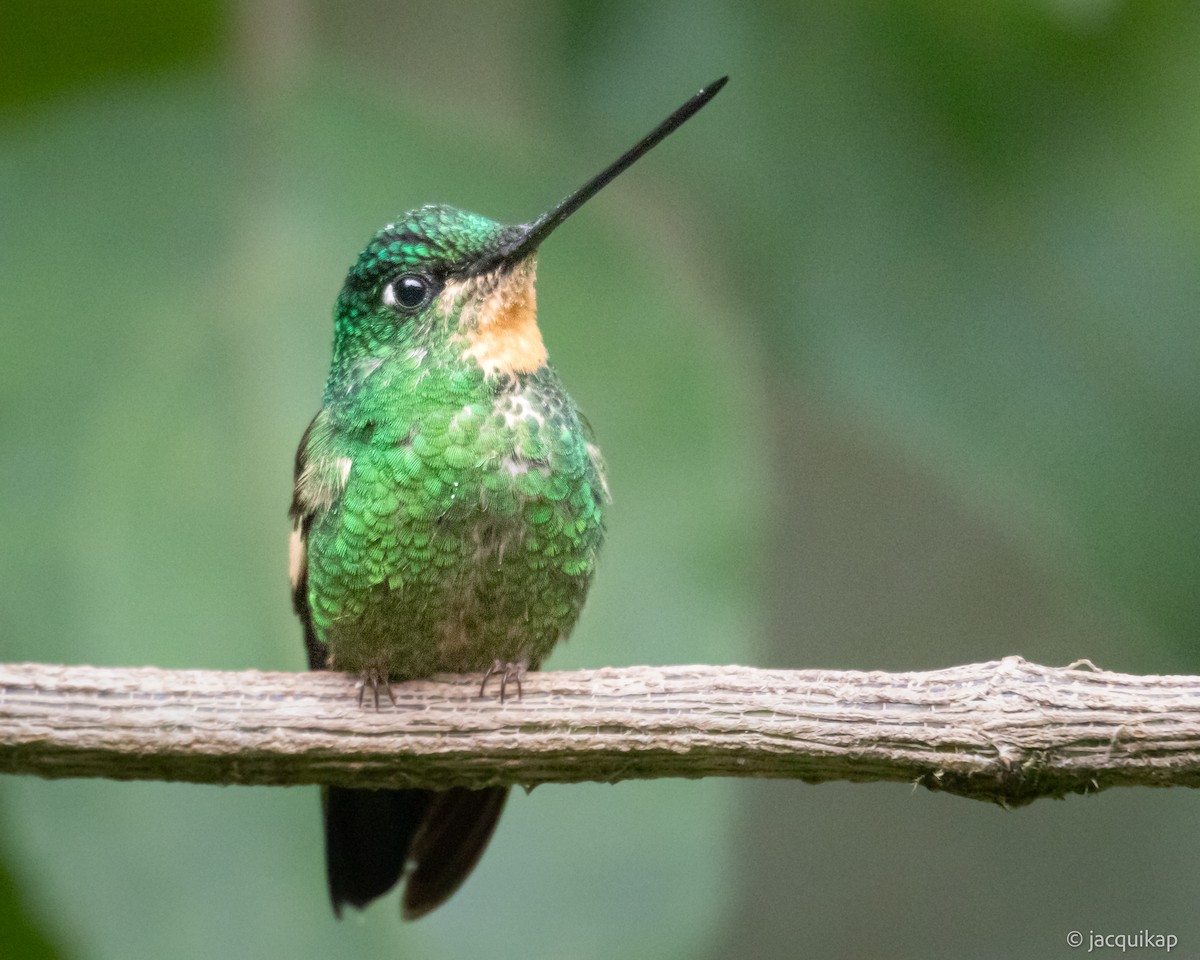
[893, 353]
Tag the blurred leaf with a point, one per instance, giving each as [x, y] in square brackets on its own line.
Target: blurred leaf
[19, 935]
[53, 46]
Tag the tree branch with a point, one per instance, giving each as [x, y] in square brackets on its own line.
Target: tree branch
[1008, 731]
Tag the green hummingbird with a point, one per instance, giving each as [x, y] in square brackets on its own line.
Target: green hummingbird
[448, 508]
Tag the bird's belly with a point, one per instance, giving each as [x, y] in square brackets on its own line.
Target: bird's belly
[455, 595]
[463, 540]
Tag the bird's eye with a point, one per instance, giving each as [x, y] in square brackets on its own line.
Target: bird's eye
[410, 291]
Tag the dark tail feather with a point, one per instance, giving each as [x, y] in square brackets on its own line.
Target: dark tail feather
[371, 834]
[367, 838]
[452, 839]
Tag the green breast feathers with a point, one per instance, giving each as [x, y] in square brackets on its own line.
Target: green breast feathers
[455, 529]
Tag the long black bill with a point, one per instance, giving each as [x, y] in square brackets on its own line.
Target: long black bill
[544, 225]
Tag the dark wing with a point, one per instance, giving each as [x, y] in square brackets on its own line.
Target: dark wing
[302, 519]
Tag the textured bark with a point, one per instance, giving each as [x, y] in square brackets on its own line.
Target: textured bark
[1007, 731]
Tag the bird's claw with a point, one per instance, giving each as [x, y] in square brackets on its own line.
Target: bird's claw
[510, 670]
[375, 679]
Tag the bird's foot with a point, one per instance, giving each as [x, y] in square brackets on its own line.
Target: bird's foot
[512, 670]
[374, 678]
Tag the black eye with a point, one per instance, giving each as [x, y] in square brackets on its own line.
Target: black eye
[409, 291]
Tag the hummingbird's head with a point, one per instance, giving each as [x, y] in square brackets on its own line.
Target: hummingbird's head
[440, 278]
[443, 283]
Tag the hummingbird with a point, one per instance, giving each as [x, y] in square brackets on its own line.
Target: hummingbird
[448, 508]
